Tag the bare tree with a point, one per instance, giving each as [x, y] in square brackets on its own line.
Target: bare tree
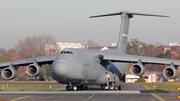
[3, 54]
[33, 46]
[90, 43]
[43, 40]
[3, 51]
[8, 55]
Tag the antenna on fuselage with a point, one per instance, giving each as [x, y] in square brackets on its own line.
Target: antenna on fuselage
[124, 29]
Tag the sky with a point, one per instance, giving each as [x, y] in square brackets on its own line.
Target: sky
[68, 20]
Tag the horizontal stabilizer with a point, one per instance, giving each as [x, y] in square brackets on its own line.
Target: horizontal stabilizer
[130, 14]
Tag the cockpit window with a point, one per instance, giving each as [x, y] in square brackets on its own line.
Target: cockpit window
[66, 52]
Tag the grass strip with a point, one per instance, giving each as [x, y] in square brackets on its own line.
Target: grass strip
[27, 87]
[162, 85]
[28, 82]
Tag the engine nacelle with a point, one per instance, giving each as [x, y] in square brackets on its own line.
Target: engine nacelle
[9, 73]
[138, 69]
[170, 72]
[33, 69]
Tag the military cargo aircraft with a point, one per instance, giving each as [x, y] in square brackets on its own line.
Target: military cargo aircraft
[79, 68]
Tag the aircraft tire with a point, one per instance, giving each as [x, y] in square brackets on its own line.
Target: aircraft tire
[75, 88]
[68, 88]
[102, 87]
[120, 87]
[85, 87]
[82, 87]
[78, 88]
[115, 87]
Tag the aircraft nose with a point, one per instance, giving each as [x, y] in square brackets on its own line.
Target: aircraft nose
[59, 69]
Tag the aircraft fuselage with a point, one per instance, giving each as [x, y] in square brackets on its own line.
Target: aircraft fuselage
[80, 66]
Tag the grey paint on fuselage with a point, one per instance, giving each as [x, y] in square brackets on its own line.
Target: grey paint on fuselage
[85, 66]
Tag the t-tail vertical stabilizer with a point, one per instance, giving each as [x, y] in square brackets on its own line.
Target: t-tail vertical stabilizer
[124, 29]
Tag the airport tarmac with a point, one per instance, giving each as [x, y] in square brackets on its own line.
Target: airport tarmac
[130, 92]
[93, 96]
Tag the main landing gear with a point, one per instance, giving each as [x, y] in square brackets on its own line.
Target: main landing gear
[83, 87]
[71, 88]
[108, 86]
[111, 87]
[76, 87]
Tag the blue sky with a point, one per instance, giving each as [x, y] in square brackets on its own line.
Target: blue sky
[68, 20]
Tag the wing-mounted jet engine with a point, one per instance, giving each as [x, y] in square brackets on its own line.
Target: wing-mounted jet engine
[9, 73]
[33, 69]
[170, 72]
[138, 69]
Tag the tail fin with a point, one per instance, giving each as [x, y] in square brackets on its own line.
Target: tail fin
[123, 34]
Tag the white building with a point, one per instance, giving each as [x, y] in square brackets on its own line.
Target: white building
[113, 44]
[70, 45]
[56, 48]
[129, 78]
[174, 44]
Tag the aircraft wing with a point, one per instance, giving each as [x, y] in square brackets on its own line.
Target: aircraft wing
[135, 58]
[40, 60]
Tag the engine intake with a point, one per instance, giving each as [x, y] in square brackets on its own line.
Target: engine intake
[9, 73]
[138, 69]
[33, 69]
[170, 72]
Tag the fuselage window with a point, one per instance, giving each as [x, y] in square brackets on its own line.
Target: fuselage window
[71, 52]
[64, 52]
[61, 52]
[68, 52]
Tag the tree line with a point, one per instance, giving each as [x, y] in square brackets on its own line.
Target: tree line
[137, 47]
[34, 46]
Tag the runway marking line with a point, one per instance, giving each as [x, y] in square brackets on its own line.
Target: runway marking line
[157, 97]
[89, 97]
[20, 98]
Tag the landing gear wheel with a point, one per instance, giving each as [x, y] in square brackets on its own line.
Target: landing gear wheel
[115, 87]
[120, 87]
[75, 88]
[83, 87]
[68, 88]
[103, 87]
[78, 88]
